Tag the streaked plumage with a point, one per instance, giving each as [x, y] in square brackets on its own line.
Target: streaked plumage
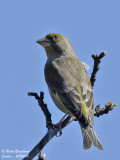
[69, 85]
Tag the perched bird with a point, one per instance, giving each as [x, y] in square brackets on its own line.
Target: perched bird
[69, 85]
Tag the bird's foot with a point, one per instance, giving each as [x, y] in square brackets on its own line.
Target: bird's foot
[58, 125]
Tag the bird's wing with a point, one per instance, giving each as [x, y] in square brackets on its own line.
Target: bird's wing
[70, 85]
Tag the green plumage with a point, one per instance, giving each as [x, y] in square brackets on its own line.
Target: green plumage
[70, 87]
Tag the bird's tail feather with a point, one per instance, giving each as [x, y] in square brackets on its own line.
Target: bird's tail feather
[90, 138]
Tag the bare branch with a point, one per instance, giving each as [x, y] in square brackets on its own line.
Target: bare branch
[96, 67]
[51, 131]
[43, 107]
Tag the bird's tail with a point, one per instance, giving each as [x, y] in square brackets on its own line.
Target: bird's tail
[90, 138]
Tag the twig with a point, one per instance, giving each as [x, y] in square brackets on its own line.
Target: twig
[51, 131]
[108, 107]
[96, 67]
[43, 107]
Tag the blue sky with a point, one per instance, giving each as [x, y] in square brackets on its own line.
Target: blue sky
[92, 27]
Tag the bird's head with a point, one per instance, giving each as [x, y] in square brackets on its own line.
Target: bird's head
[55, 45]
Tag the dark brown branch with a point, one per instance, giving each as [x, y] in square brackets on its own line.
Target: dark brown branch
[51, 131]
[96, 67]
[43, 107]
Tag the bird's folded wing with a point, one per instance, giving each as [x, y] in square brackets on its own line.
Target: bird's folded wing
[75, 102]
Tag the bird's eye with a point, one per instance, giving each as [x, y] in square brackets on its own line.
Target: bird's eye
[56, 36]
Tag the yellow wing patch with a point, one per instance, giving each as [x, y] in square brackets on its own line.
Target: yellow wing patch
[59, 100]
[84, 107]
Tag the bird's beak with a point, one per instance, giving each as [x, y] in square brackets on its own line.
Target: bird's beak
[44, 42]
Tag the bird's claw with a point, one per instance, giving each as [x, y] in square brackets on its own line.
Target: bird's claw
[57, 125]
